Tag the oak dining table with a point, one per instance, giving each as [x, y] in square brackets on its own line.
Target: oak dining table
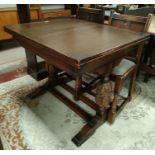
[73, 48]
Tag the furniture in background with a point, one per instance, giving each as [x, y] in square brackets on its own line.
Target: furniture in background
[107, 11]
[35, 69]
[24, 13]
[55, 13]
[143, 11]
[9, 16]
[135, 10]
[148, 64]
[127, 68]
[87, 5]
[71, 54]
[91, 14]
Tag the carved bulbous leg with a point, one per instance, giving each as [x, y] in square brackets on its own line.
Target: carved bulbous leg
[52, 74]
[103, 96]
[113, 110]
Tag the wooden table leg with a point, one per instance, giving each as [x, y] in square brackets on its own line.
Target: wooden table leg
[31, 63]
[104, 92]
[113, 110]
[52, 78]
[78, 85]
[34, 68]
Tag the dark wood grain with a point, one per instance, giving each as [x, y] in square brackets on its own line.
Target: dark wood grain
[77, 47]
[134, 23]
[64, 37]
[150, 52]
[91, 14]
[148, 65]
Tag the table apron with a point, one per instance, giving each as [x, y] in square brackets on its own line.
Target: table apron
[107, 59]
[71, 68]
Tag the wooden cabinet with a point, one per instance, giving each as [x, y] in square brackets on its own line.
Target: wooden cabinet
[9, 16]
[35, 13]
[56, 13]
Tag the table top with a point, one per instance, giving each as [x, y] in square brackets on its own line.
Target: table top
[76, 39]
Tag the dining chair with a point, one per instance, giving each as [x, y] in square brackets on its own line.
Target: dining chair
[128, 66]
[148, 64]
[91, 14]
[142, 11]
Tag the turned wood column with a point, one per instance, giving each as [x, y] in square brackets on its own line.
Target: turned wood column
[103, 97]
[52, 77]
[104, 91]
[78, 85]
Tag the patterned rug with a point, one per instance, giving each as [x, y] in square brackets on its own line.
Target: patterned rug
[46, 123]
[13, 70]
[13, 63]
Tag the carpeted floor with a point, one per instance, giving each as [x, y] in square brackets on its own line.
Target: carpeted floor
[46, 123]
[13, 63]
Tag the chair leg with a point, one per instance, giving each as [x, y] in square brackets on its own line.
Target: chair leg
[112, 112]
[132, 85]
[113, 109]
[52, 71]
[150, 61]
[146, 77]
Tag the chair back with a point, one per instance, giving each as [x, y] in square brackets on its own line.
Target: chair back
[91, 14]
[151, 27]
[143, 11]
[151, 30]
[121, 8]
[134, 23]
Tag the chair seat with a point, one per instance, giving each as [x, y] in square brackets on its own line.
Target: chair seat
[123, 67]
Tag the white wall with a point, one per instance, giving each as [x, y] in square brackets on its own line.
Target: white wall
[51, 6]
[7, 5]
[43, 6]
